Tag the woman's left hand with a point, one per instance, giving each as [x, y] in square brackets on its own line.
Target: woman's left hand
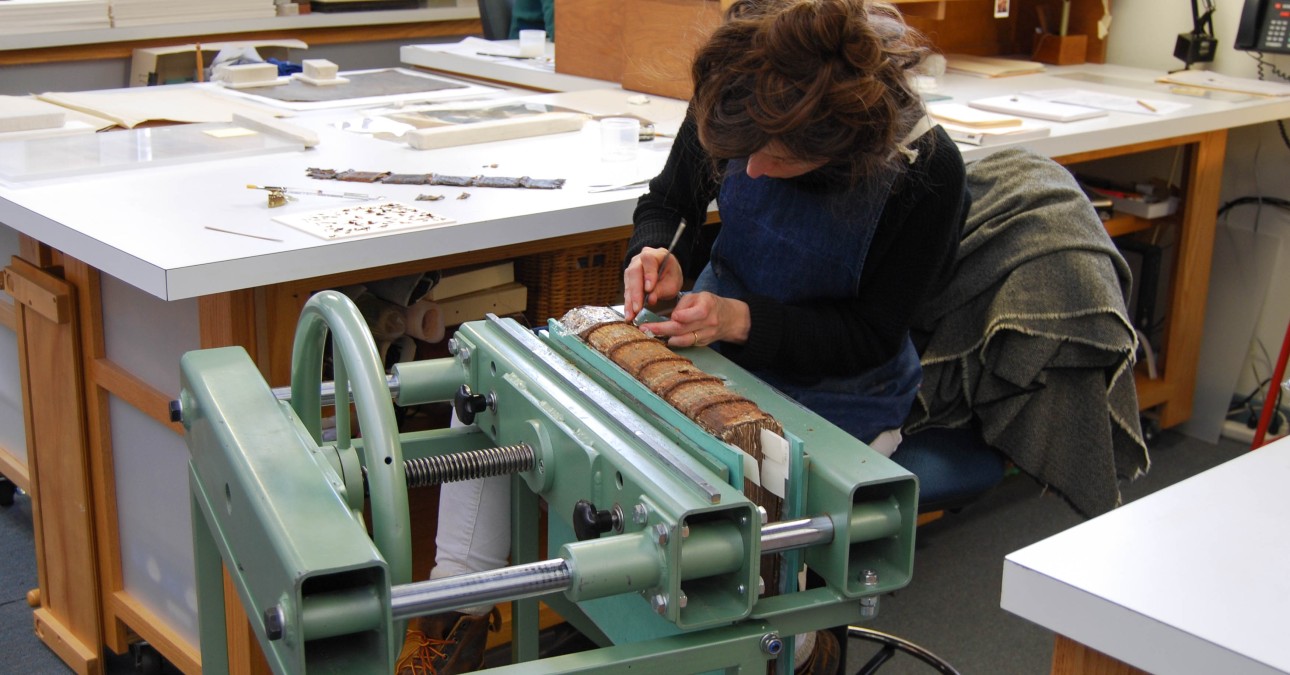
[703, 318]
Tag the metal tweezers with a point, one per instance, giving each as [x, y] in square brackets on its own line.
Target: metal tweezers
[625, 186]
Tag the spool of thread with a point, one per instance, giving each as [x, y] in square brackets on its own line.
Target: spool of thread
[424, 321]
[385, 319]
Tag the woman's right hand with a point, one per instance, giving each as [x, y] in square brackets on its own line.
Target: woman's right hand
[644, 286]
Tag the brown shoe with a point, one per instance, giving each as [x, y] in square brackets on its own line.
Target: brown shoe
[825, 658]
[446, 644]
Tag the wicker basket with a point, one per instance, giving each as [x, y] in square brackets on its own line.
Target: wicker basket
[561, 280]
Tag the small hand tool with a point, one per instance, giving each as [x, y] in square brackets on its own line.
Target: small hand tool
[663, 265]
[305, 191]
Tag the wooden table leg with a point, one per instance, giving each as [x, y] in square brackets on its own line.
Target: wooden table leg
[1073, 658]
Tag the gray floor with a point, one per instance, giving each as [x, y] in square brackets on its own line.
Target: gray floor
[951, 608]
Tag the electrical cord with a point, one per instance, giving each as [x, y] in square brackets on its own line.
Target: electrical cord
[1261, 201]
[1263, 63]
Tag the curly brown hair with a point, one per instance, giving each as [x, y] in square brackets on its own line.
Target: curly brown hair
[823, 79]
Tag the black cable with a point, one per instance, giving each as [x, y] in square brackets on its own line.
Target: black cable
[1241, 201]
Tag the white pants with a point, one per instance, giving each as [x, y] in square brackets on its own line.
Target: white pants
[474, 527]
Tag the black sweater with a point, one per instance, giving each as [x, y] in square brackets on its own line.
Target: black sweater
[909, 258]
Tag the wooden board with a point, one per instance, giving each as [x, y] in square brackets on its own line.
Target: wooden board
[61, 501]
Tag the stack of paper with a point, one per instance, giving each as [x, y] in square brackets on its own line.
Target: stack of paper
[44, 16]
[1038, 108]
[153, 12]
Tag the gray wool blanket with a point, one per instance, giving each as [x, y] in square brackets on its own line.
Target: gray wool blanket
[1031, 336]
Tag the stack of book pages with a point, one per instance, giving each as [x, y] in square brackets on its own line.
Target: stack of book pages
[19, 17]
[153, 12]
[971, 126]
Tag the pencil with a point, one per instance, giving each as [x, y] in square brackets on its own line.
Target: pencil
[1146, 105]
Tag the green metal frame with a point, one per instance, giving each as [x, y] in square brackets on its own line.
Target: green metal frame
[674, 587]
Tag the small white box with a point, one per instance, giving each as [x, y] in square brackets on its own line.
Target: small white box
[1145, 209]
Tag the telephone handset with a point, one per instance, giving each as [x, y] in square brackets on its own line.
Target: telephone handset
[1264, 26]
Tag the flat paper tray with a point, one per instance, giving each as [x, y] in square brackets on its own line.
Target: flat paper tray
[81, 154]
[368, 219]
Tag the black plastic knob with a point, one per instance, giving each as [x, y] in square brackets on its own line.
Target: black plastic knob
[588, 523]
[467, 404]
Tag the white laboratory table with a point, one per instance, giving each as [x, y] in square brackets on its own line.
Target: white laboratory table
[1191, 579]
[146, 225]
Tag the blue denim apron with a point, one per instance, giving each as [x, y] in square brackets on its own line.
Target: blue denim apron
[797, 243]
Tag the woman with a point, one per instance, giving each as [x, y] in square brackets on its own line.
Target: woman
[841, 207]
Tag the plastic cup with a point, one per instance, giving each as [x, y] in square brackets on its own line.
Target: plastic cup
[619, 137]
[532, 42]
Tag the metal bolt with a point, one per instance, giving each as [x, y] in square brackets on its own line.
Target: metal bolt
[869, 607]
[741, 589]
[869, 578]
[761, 586]
[618, 517]
[685, 532]
[771, 644]
[640, 514]
[659, 602]
[682, 600]
[452, 345]
[463, 353]
[275, 621]
[660, 531]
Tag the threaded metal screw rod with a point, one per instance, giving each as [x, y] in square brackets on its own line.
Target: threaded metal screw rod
[469, 465]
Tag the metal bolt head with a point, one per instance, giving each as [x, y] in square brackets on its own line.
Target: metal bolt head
[453, 345]
[869, 578]
[869, 607]
[771, 644]
[660, 532]
[741, 589]
[640, 514]
[682, 600]
[275, 621]
[659, 603]
[685, 531]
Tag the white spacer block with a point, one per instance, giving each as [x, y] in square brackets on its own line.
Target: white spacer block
[249, 73]
[319, 69]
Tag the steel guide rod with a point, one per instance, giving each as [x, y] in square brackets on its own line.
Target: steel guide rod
[518, 582]
[328, 390]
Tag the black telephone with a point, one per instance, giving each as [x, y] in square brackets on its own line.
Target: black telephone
[1264, 27]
